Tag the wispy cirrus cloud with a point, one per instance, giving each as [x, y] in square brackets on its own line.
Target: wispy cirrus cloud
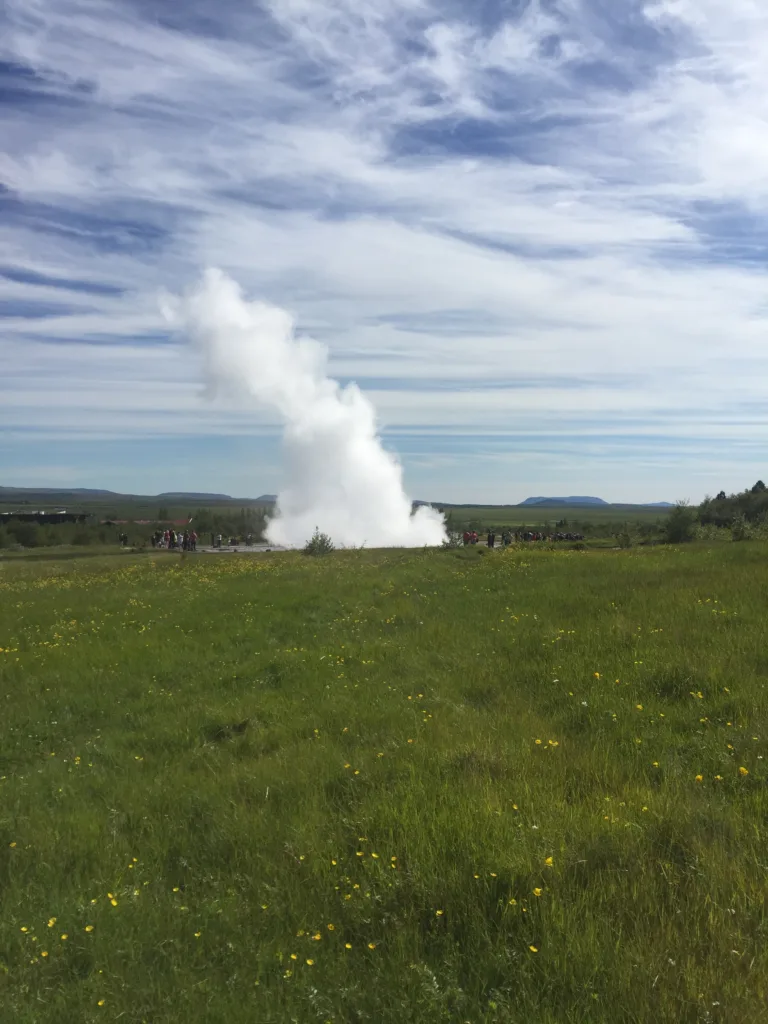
[451, 196]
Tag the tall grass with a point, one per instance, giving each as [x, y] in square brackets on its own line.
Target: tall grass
[387, 787]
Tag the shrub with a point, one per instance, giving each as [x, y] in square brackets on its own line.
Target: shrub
[320, 544]
[741, 528]
[679, 528]
[26, 534]
[453, 539]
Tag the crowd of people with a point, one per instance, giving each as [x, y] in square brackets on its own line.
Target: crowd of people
[507, 537]
[173, 540]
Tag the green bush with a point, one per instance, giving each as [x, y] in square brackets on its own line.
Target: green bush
[679, 528]
[741, 528]
[320, 544]
[26, 534]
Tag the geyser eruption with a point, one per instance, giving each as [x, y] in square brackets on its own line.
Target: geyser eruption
[339, 477]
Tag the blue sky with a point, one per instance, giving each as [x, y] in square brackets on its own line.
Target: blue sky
[533, 232]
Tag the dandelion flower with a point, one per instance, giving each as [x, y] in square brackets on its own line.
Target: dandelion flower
[719, 778]
[198, 934]
[64, 937]
[371, 945]
[439, 913]
[743, 771]
[11, 845]
[597, 676]
[51, 922]
[44, 952]
[113, 902]
[100, 1002]
[537, 742]
[639, 707]
[534, 949]
[310, 961]
[331, 927]
[537, 891]
[549, 861]
[294, 956]
[347, 945]
[317, 936]
[699, 778]
[89, 927]
[655, 764]
[375, 856]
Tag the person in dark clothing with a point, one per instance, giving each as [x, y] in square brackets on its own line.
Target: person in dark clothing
[491, 539]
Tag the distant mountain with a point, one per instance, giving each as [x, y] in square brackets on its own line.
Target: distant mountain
[85, 492]
[43, 495]
[193, 496]
[660, 504]
[573, 500]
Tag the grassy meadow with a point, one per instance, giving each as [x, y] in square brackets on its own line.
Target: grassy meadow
[387, 787]
[533, 516]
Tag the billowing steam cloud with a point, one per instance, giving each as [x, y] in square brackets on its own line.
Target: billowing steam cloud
[339, 478]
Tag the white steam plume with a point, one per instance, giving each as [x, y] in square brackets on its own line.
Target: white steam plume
[339, 478]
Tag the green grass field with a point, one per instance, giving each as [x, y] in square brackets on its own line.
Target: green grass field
[533, 516]
[387, 787]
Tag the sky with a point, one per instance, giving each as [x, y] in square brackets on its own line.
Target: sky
[534, 232]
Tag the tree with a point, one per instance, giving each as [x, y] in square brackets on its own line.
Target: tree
[759, 486]
[320, 544]
[720, 496]
[680, 523]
